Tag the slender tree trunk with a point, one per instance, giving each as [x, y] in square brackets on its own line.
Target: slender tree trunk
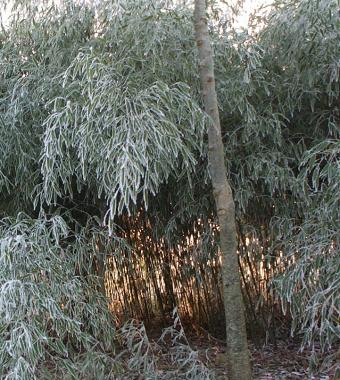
[237, 348]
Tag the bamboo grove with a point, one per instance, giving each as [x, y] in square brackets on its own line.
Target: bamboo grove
[107, 215]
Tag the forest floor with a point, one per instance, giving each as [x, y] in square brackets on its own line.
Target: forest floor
[284, 361]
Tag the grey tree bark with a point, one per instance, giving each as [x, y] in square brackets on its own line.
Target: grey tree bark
[238, 359]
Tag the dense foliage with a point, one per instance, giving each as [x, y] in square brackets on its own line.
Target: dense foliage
[100, 124]
[48, 311]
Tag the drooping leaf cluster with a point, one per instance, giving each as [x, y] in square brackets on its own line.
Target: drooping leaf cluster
[96, 112]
